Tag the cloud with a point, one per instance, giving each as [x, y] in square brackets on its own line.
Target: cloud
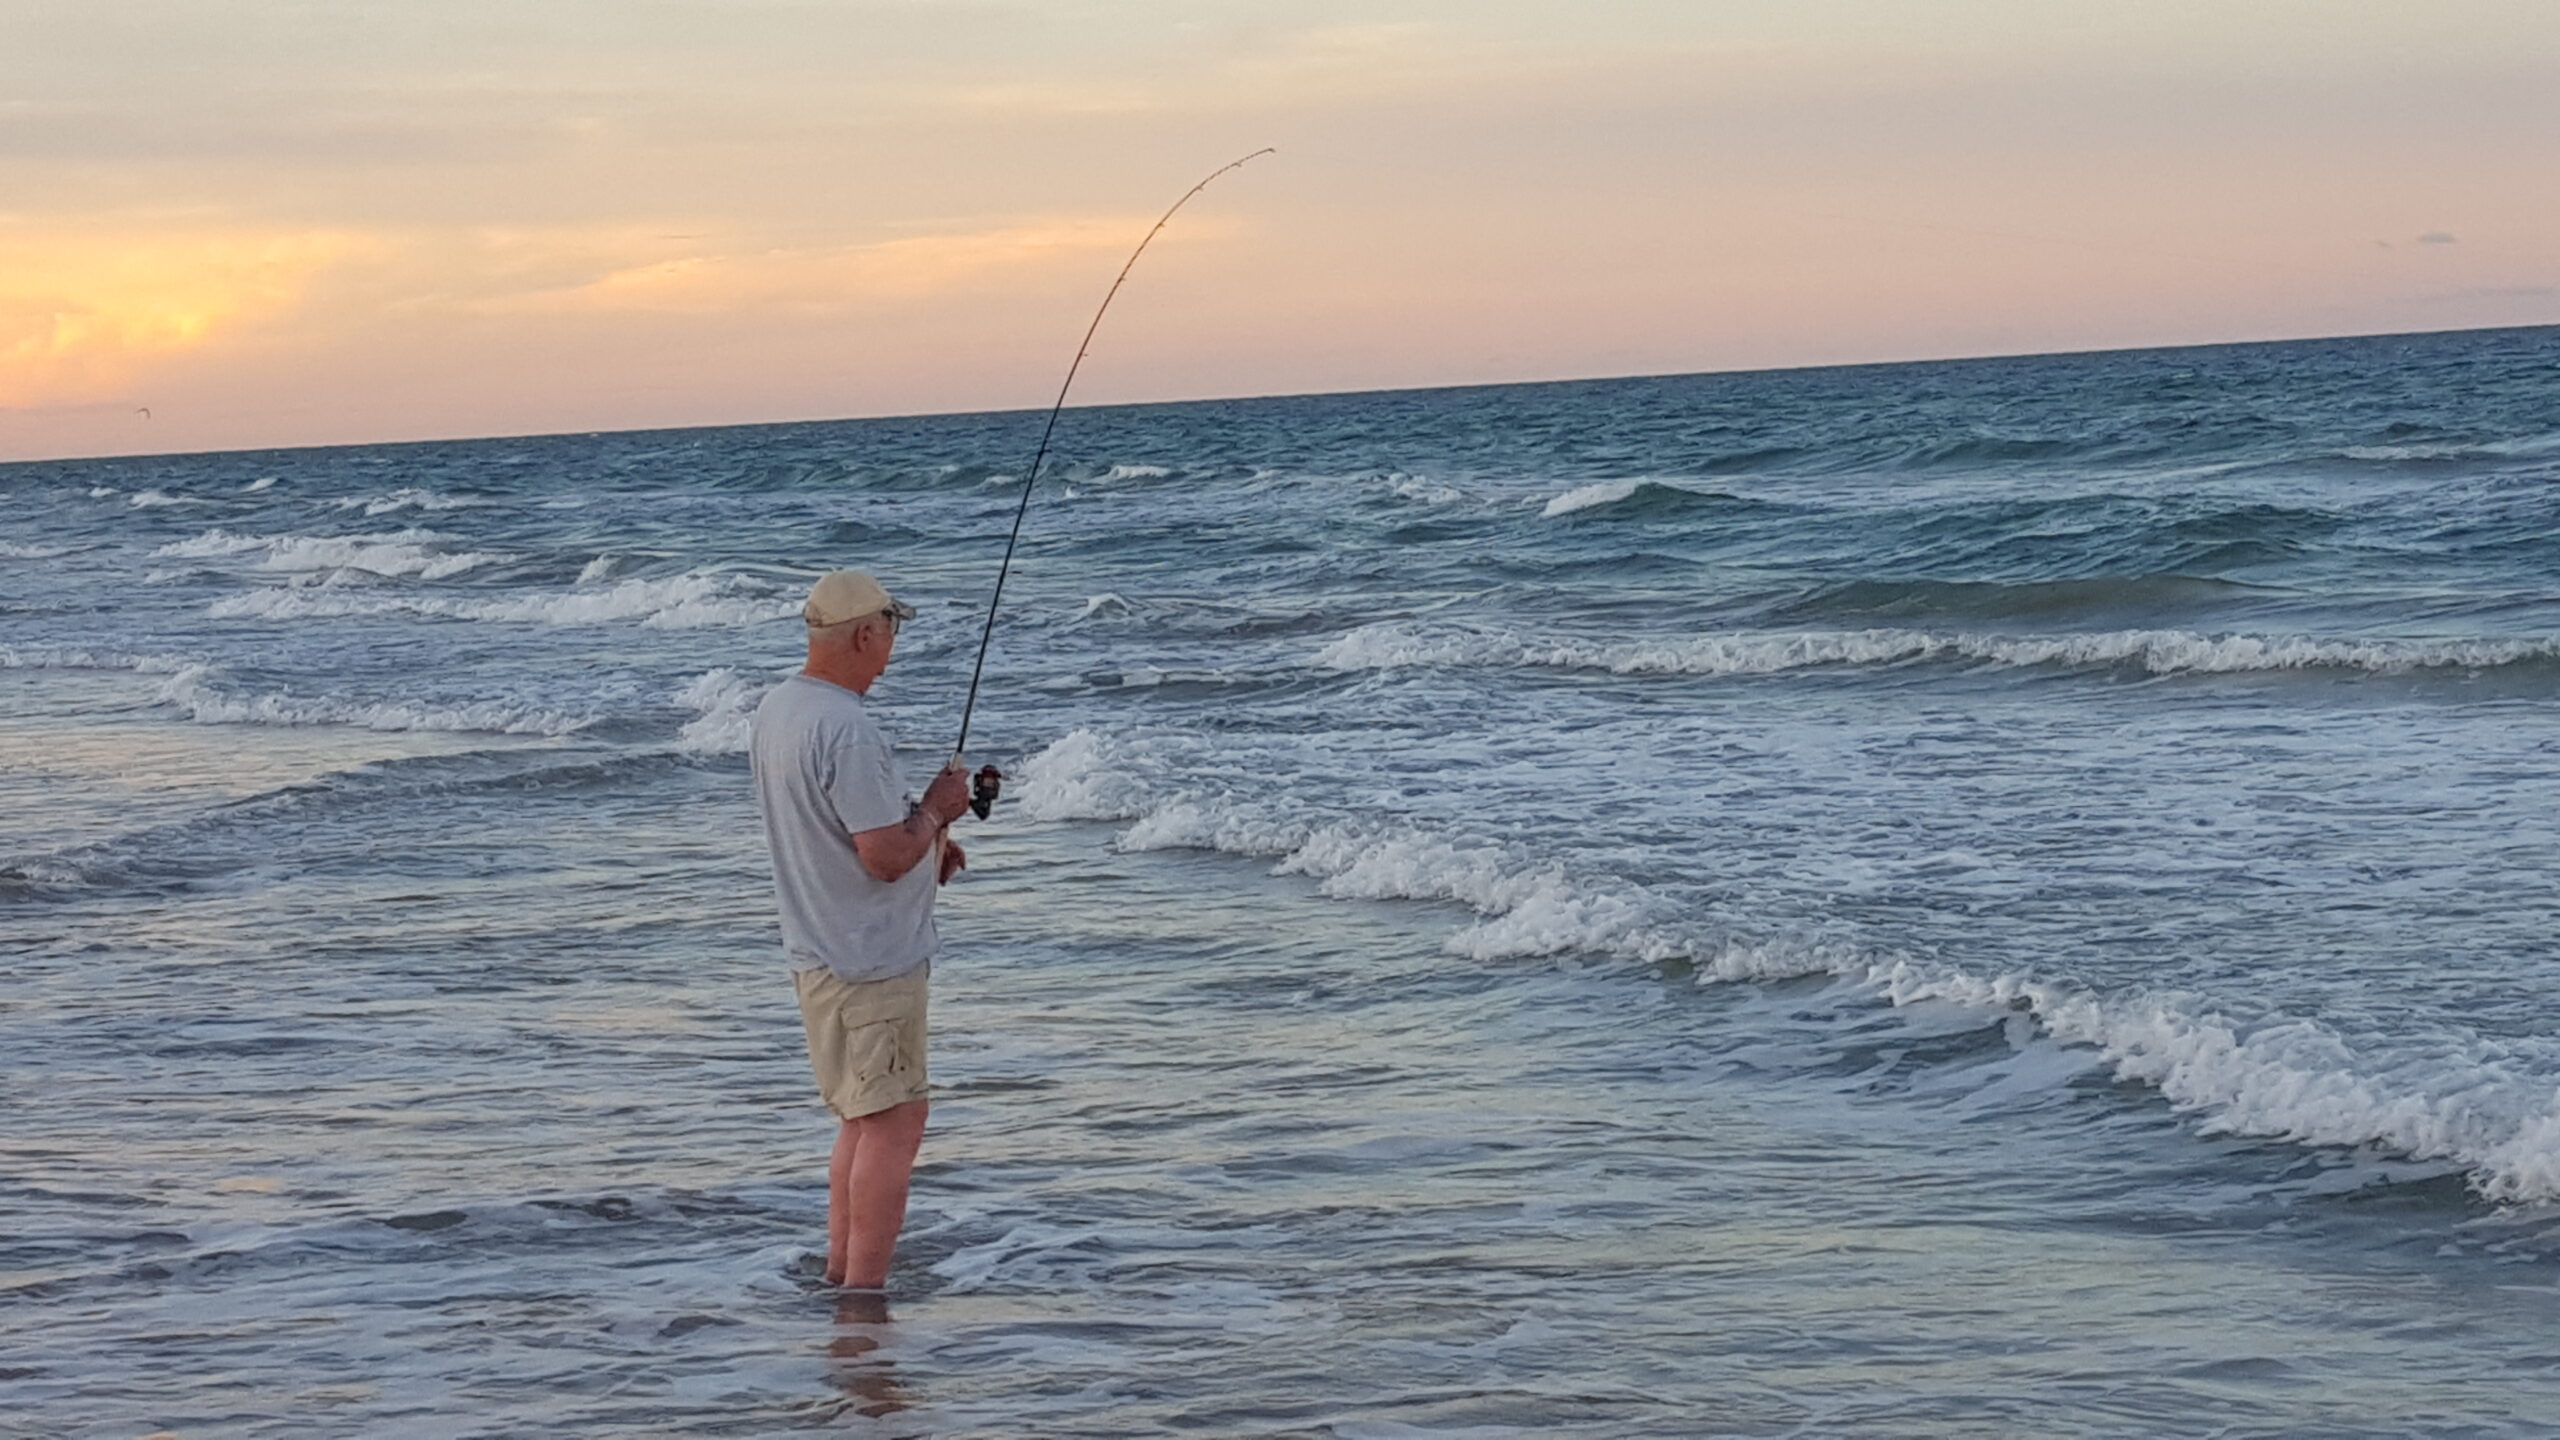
[2437, 237]
[1253, 68]
[825, 280]
[85, 313]
[327, 131]
[1052, 97]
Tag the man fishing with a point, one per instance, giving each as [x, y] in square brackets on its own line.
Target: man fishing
[849, 866]
[855, 868]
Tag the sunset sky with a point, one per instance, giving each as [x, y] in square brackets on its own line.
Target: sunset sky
[298, 222]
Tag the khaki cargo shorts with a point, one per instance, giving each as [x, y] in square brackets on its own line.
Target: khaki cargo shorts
[866, 1038]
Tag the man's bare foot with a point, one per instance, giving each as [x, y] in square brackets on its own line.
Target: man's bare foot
[857, 1306]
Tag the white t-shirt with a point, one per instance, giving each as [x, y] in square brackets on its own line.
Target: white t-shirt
[824, 774]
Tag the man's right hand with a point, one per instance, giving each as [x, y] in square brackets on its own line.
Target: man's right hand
[947, 798]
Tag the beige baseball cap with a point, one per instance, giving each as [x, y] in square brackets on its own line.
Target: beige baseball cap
[842, 595]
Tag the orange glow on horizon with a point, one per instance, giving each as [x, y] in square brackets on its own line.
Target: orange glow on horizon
[85, 316]
[712, 212]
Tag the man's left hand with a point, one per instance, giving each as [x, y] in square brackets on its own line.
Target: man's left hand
[953, 861]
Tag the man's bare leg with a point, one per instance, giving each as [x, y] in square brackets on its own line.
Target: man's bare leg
[867, 1192]
[840, 1199]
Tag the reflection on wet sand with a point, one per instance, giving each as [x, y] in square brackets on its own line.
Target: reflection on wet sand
[869, 1381]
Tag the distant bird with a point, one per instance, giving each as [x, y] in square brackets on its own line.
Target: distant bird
[143, 410]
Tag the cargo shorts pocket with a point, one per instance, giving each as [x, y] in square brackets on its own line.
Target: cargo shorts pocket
[877, 1066]
[874, 1051]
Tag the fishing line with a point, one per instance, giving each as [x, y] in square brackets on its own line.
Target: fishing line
[983, 796]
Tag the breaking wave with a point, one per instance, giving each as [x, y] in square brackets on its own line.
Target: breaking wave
[50, 657]
[1422, 491]
[403, 499]
[1640, 498]
[2280, 1077]
[1392, 645]
[1591, 497]
[724, 704]
[694, 600]
[410, 552]
[192, 689]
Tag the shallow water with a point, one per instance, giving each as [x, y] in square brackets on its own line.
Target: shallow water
[1973, 899]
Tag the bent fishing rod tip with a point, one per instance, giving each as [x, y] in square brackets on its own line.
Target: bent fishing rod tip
[989, 780]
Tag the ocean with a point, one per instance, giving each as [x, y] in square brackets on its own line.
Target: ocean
[1980, 898]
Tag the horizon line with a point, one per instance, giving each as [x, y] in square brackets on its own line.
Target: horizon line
[1036, 409]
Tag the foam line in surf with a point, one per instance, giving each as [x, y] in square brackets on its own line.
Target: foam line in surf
[412, 552]
[694, 600]
[193, 690]
[2280, 1077]
[1395, 646]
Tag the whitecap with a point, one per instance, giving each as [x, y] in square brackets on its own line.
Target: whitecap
[1527, 904]
[1392, 645]
[1585, 497]
[1431, 492]
[724, 704]
[405, 498]
[2281, 1077]
[191, 689]
[47, 657]
[691, 601]
[411, 552]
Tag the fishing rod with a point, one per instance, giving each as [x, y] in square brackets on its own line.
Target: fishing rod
[989, 780]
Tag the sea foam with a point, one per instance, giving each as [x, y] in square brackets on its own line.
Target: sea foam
[1586, 497]
[1392, 645]
[411, 552]
[2280, 1077]
[724, 703]
[192, 689]
[406, 498]
[694, 600]
[50, 657]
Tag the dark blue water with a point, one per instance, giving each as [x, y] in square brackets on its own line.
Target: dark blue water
[1967, 899]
